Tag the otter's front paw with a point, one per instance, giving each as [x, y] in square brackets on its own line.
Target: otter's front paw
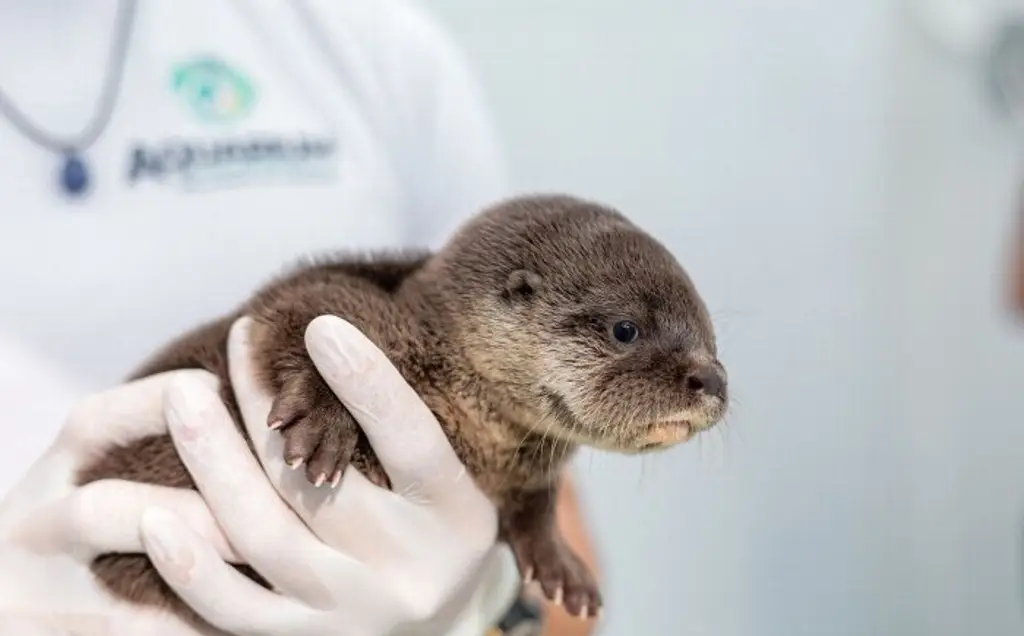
[562, 575]
[318, 430]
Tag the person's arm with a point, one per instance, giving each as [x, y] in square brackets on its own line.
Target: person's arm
[451, 159]
[420, 95]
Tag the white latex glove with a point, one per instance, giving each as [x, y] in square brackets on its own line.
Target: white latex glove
[420, 560]
[50, 529]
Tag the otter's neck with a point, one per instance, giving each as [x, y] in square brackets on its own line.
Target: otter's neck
[498, 437]
[504, 455]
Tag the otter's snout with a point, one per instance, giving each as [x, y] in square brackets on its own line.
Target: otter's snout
[708, 380]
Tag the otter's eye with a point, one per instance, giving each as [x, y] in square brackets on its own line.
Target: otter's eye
[625, 332]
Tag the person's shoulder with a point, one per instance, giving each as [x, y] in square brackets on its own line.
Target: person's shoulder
[401, 57]
[404, 31]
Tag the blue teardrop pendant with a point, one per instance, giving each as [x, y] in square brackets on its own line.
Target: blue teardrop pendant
[74, 175]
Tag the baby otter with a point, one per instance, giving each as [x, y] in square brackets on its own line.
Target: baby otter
[545, 323]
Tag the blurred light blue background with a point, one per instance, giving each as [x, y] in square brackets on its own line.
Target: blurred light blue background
[841, 188]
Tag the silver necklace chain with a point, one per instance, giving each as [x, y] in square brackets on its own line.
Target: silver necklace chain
[112, 84]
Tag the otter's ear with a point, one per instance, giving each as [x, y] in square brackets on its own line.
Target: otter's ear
[522, 284]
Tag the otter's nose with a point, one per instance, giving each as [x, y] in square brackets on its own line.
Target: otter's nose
[708, 380]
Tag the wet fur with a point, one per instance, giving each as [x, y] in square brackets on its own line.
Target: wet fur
[495, 333]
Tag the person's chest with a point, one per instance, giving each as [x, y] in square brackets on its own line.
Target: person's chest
[232, 149]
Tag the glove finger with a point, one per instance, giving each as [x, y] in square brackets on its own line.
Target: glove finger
[501, 583]
[407, 544]
[261, 527]
[16, 625]
[42, 625]
[405, 435]
[255, 405]
[367, 523]
[215, 590]
[371, 524]
[124, 413]
[104, 516]
[352, 518]
[331, 513]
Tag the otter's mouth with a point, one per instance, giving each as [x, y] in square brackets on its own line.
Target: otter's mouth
[677, 428]
[668, 432]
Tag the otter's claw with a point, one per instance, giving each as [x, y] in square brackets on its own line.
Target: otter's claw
[564, 579]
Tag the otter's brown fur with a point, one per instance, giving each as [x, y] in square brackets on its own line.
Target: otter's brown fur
[546, 322]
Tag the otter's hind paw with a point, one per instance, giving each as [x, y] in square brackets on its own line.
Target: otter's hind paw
[564, 578]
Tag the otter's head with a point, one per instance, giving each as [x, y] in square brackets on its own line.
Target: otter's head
[587, 323]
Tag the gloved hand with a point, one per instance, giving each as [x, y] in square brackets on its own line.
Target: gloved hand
[50, 529]
[421, 560]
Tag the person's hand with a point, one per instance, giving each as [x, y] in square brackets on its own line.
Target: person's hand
[423, 562]
[50, 529]
[356, 561]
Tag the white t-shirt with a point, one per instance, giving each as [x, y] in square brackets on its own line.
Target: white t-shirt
[245, 133]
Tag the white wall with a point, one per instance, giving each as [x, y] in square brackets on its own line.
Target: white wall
[790, 152]
[953, 174]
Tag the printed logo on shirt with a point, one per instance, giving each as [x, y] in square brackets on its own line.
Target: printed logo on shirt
[213, 90]
[218, 94]
[208, 164]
